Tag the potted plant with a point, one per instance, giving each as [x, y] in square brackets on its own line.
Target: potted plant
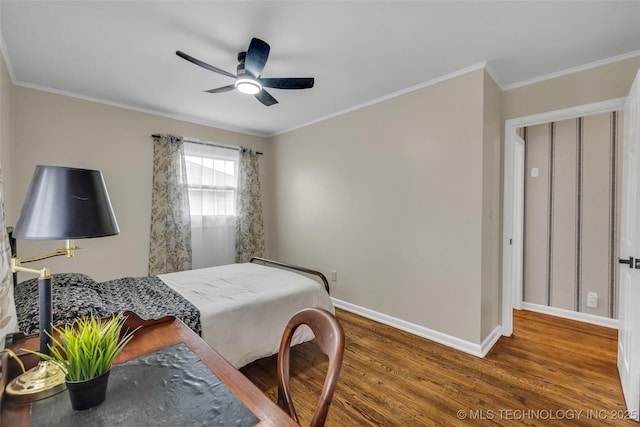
[85, 350]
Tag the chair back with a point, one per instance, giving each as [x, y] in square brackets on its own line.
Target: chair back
[329, 336]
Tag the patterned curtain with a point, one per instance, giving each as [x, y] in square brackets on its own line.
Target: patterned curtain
[249, 228]
[8, 318]
[170, 242]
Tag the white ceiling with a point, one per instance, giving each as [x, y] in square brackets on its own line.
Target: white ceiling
[123, 52]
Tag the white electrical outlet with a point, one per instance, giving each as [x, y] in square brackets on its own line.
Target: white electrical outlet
[334, 276]
[592, 300]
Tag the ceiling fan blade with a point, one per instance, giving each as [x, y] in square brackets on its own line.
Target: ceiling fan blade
[266, 98]
[204, 64]
[256, 58]
[221, 89]
[288, 82]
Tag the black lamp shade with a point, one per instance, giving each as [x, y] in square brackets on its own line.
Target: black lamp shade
[66, 203]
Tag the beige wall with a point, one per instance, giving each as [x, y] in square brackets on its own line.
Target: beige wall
[391, 197]
[59, 130]
[6, 123]
[491, 205]
[602, 83]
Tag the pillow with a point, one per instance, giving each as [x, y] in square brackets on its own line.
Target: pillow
[71, 297]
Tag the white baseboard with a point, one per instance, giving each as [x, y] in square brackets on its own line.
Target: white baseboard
[479, 350]
[490, 340]
[573, 315]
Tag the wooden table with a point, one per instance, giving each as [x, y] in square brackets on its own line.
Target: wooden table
[153, 335]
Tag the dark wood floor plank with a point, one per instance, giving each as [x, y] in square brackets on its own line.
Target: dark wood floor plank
[551, 371]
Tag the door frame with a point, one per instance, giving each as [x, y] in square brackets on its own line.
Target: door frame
[513, 221]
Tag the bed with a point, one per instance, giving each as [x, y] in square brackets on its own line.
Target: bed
[241, 310]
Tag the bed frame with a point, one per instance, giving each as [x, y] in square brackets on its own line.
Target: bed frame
[322, 277]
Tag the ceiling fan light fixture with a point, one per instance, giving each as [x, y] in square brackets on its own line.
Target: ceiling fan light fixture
[247, 80]
[248, 86]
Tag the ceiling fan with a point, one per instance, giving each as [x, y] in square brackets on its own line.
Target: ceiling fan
[248, 80]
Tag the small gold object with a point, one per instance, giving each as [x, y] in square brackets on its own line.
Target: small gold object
[44, 380]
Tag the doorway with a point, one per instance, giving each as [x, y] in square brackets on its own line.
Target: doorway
[513, 200]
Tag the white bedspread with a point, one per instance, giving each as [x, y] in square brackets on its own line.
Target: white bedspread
[244, 308]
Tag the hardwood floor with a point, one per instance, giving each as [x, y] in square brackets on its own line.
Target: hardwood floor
[551, 371]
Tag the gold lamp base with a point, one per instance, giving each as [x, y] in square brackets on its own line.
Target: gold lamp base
[43, 381]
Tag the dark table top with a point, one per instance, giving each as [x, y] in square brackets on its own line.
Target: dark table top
[154, 336]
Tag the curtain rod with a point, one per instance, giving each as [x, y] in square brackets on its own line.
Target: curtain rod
[193, 141]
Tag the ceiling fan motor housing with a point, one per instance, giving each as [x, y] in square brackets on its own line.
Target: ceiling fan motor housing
[240, 68]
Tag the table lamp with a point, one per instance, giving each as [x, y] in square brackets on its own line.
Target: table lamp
[62, 204]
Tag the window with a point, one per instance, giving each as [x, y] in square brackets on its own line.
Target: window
[212, 179]
[212, 175]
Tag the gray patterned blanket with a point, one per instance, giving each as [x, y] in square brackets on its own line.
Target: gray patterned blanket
[75, 295]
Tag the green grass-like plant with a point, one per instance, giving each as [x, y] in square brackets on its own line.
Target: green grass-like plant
[86, 348]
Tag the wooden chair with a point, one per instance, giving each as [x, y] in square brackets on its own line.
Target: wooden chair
[329, 336]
